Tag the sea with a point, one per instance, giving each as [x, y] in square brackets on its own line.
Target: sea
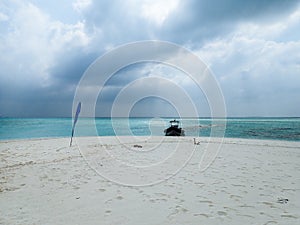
[287, 129]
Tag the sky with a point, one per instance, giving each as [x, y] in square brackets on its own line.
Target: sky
[251, 47]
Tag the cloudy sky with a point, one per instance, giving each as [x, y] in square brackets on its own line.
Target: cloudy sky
[252, 48]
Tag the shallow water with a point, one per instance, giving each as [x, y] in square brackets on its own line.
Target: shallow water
[253, 128]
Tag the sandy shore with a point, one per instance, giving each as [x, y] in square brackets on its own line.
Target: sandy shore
[45, 181]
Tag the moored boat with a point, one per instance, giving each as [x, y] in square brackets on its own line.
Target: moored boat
[174, 129]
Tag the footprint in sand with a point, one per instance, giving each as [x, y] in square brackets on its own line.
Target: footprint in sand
[270, 222]
[235, 197]
[222, 213]
[289, 216]
[202, 214]
[119, 197]
[107, 212]
[206, 201]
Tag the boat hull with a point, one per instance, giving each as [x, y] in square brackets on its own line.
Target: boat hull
[171, 131]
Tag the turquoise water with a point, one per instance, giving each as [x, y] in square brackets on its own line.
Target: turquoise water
[253, 128]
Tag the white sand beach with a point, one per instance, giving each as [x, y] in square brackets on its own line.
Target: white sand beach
[44, 181]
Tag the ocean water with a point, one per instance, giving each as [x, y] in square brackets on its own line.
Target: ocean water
[253, 128]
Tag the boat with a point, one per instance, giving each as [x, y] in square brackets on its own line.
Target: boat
[174, 129]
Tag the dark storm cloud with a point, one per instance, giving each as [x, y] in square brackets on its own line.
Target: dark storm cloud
[70, 67]
[35, 101]
[194, 21]
[45, 52]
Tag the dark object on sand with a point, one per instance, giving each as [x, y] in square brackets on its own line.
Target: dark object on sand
[138, 146]
[196, 142]
[282, 200]
[174, 129]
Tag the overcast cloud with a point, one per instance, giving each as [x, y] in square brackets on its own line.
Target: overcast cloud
[252, 47]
